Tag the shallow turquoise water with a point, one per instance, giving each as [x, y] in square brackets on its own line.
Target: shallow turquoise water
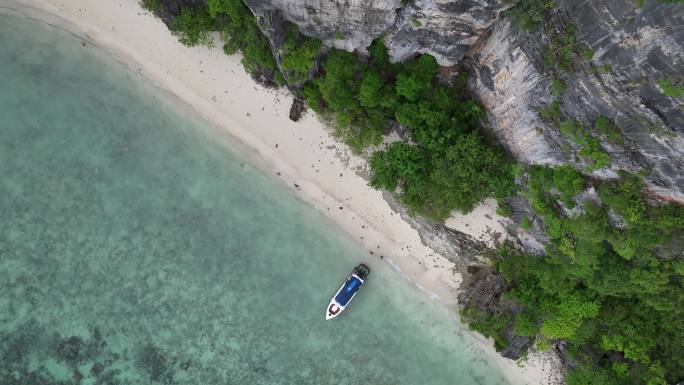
[135, 249]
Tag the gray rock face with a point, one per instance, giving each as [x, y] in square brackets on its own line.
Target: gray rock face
[442, 28]
[459, 248]
[639, 47]
[346, 25]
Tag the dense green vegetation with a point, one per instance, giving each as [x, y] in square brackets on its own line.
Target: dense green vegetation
[449, 165]
[613, 291]
[240, 32]
[238, 28]
[434, 183]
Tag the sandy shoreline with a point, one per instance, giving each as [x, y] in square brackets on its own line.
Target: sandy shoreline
[302, 153]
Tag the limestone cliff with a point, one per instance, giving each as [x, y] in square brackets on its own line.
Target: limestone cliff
[634, 50]
[444, 29]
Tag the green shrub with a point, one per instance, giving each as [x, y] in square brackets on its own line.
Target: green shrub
[573, 129]
[417, 80]
[525, 325]
[435, 184]
[672, 87]
[529, 14]
[339, 87]
[504, 209]
[557, 86]
[240, 31]
[563, 52]
[551, 113]
[192, 27]
[313, 97]
[592, 150]
[568, 182]
[586, 52]
[606, 127]
[279, 78]
[568, 315]
[375, 92]
[526, 223]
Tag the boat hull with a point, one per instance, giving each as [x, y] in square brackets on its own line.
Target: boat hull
[346, 292]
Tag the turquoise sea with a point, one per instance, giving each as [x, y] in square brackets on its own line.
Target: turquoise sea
[137, 248]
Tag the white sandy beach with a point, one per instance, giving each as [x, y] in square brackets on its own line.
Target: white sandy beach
[302, 153]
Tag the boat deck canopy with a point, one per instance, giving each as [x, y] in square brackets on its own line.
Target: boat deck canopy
[350, 287]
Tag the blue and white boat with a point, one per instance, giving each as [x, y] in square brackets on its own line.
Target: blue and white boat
[348, 290]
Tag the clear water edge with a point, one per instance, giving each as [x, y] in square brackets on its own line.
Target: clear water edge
[71, 287]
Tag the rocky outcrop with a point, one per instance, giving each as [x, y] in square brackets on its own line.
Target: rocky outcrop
[459, 248]
[483, 290]
[444, 29]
